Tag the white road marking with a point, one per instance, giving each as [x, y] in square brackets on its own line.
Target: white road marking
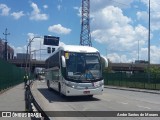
[124, 103]
[143, 107]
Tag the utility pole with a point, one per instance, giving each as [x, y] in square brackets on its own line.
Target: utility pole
[149, 43]
[138, 49]
[28, 56]
[85, 37]
[5, 48]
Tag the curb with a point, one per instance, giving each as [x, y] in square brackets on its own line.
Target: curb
[133, 89]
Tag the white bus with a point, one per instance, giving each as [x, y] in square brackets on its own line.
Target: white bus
[75, 71]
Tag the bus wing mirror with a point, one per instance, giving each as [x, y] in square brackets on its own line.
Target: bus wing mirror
[63, 61]
[104, 61]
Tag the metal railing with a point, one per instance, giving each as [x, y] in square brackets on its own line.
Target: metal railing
[31, 105]
[10, 75]
[132, 80]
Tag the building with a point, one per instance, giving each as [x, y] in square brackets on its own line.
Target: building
[22, 56]
[10, 51]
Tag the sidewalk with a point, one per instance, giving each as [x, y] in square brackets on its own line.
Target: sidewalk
[13, 100]
[134, 89]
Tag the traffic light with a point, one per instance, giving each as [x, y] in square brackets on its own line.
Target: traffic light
[53, 49]
[48, 49]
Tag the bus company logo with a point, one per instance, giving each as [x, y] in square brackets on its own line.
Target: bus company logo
[6, 114]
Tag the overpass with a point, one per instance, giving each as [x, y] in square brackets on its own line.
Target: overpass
[141, 67]
[113, 66]
[22, 63]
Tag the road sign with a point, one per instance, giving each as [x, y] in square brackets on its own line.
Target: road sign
[51, 40]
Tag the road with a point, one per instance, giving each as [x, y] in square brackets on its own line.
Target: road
[111, 100]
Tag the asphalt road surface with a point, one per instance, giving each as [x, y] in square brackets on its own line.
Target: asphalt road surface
[125, 102]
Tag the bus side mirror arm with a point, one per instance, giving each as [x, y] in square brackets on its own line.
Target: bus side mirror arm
[105, 61]
[63, 61]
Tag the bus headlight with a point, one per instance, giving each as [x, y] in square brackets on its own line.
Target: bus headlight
[71, 84]
[99, 83]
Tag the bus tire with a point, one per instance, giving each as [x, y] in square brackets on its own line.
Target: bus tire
[48, 85]
[90, 96]
[59, 89]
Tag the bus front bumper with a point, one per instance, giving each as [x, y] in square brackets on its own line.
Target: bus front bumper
[83, 92]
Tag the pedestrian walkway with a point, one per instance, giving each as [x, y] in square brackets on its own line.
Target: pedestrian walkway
[13, 100]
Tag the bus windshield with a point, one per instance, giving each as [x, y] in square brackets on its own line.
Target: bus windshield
[83, 66]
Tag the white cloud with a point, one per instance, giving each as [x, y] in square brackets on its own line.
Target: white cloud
[133, 55]
[111, 27]
[119, 58]
[19, 49]
[109, 15]
[116, 33]
[99, 4]
[59, 7]
[31, 35]
[59, 29]
[143, 15]
[155, 13]
[76, 8]
[36, 13]
[39, 51]
[59, 0]
[5, 9]
[155, 54]
[17, 15]
[45, 6]
[79, 9]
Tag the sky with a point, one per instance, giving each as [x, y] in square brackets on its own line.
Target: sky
[119, 29]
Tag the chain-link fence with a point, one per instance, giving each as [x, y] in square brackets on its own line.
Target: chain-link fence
[10, 75]
[133, 80]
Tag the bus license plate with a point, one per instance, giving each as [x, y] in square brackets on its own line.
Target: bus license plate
[86, 92]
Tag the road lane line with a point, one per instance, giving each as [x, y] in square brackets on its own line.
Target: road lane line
[143, 107]
[124, 103]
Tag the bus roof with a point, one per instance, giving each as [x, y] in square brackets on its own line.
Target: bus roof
[77, 48]
[74, 48]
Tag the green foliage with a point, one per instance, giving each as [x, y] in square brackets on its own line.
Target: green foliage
[154, 70]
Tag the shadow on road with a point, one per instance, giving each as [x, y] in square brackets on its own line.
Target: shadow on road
[53, 96]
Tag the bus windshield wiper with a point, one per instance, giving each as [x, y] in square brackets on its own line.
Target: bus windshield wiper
[76, 73]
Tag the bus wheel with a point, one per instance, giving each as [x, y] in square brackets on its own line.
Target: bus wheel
[59, 89]
[90, 96]
[48, 84]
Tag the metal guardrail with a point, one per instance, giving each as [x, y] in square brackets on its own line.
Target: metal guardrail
[31, 105]
[132, 80]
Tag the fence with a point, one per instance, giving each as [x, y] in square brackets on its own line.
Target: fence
[134, 80]
[10, 75]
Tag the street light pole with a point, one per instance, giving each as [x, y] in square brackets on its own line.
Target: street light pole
[138, 49]
[149, 44]
[28, 61]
